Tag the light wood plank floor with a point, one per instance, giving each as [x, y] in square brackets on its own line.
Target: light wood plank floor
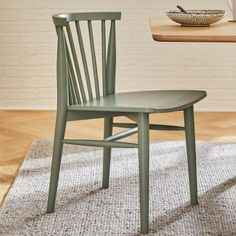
[19, 128]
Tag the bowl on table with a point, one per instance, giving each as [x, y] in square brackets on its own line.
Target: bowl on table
[196, 17]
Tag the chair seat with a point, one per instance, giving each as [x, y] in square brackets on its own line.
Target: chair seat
[144, 101]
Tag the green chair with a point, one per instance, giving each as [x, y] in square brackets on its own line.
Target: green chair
[81, 95]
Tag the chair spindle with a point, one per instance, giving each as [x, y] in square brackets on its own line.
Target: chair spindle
[104, 78]
[83, 56]
[76, 63]
[94, 61]
[72, 75]
[111, 59]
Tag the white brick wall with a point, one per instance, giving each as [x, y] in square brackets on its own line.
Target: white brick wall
[28, 53]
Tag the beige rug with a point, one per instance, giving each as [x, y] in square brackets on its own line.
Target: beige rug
[84, 209]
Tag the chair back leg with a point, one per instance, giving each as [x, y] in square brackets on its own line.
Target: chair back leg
[143, 155]
[106, 153]
[56, 159]
[191, 153]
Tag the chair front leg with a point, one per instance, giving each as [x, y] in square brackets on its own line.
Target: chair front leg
[107, 153]
[56, 159]
[191, 153]
[143, 153]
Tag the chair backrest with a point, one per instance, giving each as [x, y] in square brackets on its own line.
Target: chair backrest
[75, 82]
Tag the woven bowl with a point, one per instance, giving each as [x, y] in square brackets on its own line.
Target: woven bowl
[196, 17]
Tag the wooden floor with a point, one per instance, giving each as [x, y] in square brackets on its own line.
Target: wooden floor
[19, 128]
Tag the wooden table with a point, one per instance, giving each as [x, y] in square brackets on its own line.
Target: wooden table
[165, 30]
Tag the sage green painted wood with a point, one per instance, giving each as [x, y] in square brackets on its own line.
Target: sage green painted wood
[166, 127]
[132, 116]
[122, 134]
[64, 18]
[60, 120]
[143, 153]
[111, 59]
[56, 160]
[82, 115]
[151, 126]
[70, 92]
[73, 104]
[71, 87]
[100, 143]
[125, 125]
[94, 61]
[85, 64]
[161, 101]
[191, 153]
[107, 152]
[104, 61]
[76, 63]
[62, 72]
[72, 76]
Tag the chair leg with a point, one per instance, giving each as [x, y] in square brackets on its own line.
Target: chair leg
[191, 153]
[143, 153]
[106, 153]
[56, 160]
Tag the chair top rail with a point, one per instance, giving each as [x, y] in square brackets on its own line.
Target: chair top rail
[63, 18]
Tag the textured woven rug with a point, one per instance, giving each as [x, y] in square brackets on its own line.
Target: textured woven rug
[83, 208]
